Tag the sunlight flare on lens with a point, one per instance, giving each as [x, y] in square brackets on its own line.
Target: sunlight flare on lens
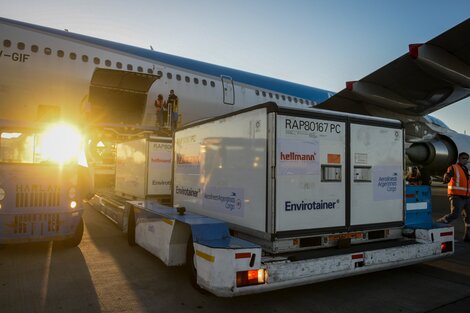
[61, 143]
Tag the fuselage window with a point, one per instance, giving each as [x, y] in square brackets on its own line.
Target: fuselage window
[289, 98]
[150, 71]
[264, 93]
[187, 79]
[72, 56]
[34, 48]
[257, 92]
[301, 101]
[60, 53]
[96, 61]
[295, 100]
[168, 75]
[277, 96]
[107, 63]
[204, 82]
[283, 97]
[21, 45]
[85, 58]
[48, 51]
[307, 102]
[7, 43]
[140, 69]
[196, 80]
[178, 77]
[130, 67]
[119, 65]
[212, 84]
[270, 95]
[160, 73]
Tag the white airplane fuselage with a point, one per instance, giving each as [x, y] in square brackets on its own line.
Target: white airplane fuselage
[42, 69]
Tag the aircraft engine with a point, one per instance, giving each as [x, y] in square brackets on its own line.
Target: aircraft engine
[437, 154]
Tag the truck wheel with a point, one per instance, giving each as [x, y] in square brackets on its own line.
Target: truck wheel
[131, 228]
[190, 265]
[76, 238]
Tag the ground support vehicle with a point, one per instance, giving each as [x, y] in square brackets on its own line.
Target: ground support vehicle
[418, 206]
[229, 266]
[42, 183]
[268, 198]
[142, 172]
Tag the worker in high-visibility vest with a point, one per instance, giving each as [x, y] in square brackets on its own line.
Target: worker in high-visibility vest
[457, 178]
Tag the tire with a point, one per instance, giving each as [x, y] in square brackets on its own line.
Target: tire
[131, 228]
[190, 266]
[76, 238]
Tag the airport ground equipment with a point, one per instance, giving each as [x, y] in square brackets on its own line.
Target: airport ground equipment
[418, 206]
[42, 183]
[42, 146]
[268, 197]
[142, 172]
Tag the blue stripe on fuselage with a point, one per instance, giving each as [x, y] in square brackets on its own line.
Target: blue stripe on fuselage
[263, 82]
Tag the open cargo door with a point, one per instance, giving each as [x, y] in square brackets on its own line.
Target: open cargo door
[119, 97]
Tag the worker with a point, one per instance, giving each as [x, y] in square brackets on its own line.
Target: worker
[414, 177]
[160, 106]
[172, 103]
[458, 190]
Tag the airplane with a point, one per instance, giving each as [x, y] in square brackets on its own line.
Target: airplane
[427, 78]
[48, 73]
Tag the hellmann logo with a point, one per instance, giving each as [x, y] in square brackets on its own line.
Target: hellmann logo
[160, 160]
[309, 206]
[292, 156]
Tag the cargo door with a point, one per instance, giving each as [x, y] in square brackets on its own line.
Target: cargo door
[310, 174]
[376, 175]
[227, 85]
[119, 97]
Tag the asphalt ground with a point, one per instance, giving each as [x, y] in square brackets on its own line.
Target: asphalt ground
[104, 274]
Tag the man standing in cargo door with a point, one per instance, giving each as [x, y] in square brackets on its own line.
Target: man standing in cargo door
[457, 178]
[173, 107]
[159, 106]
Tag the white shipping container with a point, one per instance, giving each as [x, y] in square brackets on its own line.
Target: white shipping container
[221, 167]
[310, 173]
[143, 168]
[277, 173]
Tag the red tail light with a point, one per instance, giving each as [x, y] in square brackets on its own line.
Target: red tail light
[251, 277]
[446, 246]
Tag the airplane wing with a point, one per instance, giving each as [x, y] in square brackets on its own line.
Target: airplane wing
[427, 78]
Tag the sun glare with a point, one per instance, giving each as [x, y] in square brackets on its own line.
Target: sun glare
[61, 143]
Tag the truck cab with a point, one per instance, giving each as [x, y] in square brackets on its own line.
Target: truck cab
[43, 179]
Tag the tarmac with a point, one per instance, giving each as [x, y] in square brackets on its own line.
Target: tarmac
[105, 274]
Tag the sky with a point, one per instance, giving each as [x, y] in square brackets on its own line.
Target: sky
[319, 43]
